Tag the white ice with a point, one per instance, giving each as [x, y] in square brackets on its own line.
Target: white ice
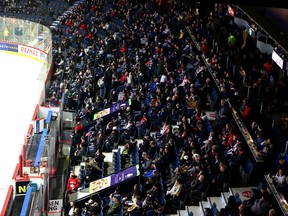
[19, 95]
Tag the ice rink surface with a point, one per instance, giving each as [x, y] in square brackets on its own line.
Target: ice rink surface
[19, 95]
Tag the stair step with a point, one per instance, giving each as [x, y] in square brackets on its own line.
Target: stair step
[225, 196]
[182, 212]
[121, 148]
[219, 201]
[196, 210]
[108, 157]
[204, 205]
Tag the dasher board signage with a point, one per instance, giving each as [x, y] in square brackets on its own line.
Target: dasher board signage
[114, 108]
[55, 206]
[21, 187]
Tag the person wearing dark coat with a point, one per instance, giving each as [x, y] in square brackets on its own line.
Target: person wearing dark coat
[239, 159]
[222, 178]
[261, 206]
[197, 188]
[155, 192]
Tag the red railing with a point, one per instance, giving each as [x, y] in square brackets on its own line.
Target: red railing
[7, 200]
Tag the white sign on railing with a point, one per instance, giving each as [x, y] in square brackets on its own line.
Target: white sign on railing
[55, 207]
[277, 59]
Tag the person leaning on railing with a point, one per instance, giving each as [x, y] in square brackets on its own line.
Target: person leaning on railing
[73, 183]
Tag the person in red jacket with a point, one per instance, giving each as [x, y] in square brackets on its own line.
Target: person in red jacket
[68, 22]
[123, 78]
[83, 26]
[73, 183]
[78, 128]
[204, 47]
[245, 109]
[89, 36]
[77, 133]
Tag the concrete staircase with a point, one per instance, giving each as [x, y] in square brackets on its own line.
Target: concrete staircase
[221, 201]
[108, 160]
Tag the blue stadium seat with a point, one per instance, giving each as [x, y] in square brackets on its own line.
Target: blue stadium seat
[163, 200]
[175, 163]
[246, 171]
[208, 125]
[214, 210]
[120, 88]
[116, 161]
[212, 98]
[237, 198]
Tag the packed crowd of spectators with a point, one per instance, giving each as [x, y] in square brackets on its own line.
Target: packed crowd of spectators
[43, 12]
[28, 7]
[107, 52]
[156, 65]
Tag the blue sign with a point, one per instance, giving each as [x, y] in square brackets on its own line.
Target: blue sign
[117, 106]
[114, 108]
[125, 174]
[9, 47]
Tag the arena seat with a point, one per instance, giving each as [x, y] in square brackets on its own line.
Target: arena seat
[246, 171]
[212, 98]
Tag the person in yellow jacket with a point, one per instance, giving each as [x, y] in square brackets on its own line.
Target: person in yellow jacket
[231, 44]
[6, 33]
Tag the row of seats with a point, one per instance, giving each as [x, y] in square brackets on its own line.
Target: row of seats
[31, 17]
[116, 160]
[135, 155]
[176, 163]
[118, 24]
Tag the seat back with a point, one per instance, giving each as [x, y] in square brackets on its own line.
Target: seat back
[214, 210]
[204, 194]
[246, 171]
[226, 184]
